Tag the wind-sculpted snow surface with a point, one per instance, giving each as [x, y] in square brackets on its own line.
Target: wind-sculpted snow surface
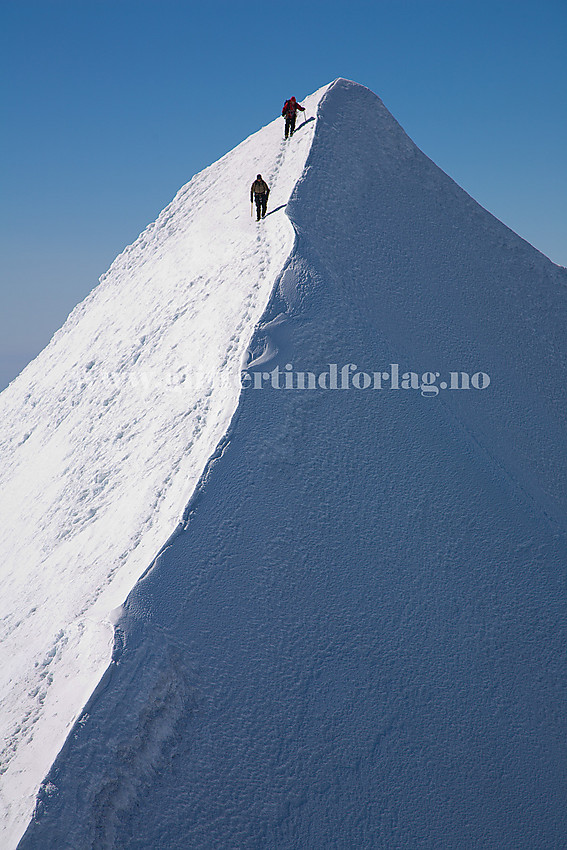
[105, 435]
[357, 641]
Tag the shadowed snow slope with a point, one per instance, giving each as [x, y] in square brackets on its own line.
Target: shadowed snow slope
[356, 640]
[106, 433]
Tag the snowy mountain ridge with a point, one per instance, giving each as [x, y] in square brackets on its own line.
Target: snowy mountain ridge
[106, 433]
[357, 637]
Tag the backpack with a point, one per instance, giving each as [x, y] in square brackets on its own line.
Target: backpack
[285, 106]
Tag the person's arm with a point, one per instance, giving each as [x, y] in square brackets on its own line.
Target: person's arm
[301, 108]
[251, 192]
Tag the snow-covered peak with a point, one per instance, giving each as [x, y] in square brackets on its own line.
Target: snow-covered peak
[368, 589]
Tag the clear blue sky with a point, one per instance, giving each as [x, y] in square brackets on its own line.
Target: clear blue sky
[110, 106]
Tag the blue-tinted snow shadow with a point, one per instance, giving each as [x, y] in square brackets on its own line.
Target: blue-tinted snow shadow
[277, 209]
[303, 124]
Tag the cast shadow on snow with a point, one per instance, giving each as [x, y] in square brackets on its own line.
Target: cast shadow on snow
[303, 123]
[277, 209]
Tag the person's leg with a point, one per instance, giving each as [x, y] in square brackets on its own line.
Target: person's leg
[292, 128]
[258, 199]
[287, 125]
[264, 205]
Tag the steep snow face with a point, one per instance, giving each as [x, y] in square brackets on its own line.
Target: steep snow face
[106, 433]
[358, 639]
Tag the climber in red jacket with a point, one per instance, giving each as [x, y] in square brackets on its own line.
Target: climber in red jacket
[289, 112]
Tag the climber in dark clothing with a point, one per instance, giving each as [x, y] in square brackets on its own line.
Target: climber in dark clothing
[259, 192]
[289, 112]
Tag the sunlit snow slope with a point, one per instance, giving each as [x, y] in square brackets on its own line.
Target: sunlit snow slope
[358, 639]
[104, 436]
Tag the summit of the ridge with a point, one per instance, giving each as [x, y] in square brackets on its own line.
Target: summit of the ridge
[362, 574]
[368, 593]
